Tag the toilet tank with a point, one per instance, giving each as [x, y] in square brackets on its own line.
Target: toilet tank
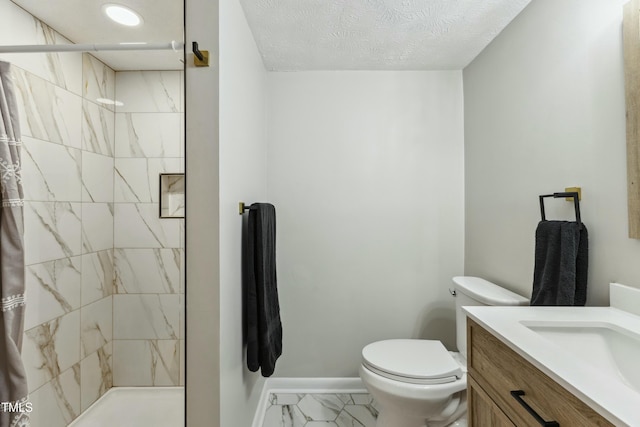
[477, 291]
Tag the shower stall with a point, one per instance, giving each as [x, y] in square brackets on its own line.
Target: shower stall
[103, 178]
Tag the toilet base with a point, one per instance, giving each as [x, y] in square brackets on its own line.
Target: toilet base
[391, 419]
[412, 405]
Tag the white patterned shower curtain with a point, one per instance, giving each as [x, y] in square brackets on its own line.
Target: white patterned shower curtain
[13, 380]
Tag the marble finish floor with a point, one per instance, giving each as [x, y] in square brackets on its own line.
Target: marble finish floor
[320, 410]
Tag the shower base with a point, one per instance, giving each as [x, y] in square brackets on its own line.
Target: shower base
[136, 407]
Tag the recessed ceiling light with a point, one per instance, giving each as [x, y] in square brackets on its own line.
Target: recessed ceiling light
[122, 15]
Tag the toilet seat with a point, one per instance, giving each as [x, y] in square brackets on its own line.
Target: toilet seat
[412, 361]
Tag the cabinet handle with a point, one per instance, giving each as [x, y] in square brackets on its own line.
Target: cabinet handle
[517, 395]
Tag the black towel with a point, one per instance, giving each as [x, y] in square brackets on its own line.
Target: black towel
[264, 329]
[561, 264]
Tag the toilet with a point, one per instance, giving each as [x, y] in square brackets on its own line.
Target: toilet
[418, 383]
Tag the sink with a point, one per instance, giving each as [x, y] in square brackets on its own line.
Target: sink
[593, 352]
[608, 348]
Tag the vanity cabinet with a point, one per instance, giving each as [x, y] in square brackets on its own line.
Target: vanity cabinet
[506, 390]
[484, 411]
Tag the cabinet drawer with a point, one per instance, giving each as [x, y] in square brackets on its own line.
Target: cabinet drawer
[499, 370]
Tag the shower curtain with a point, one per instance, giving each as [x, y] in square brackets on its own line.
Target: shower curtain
[14, 407]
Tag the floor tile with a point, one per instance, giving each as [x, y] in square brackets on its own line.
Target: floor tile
[320, 410]
[284, 416]
[320, 407]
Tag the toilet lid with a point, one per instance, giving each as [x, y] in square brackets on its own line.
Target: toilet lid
[412, 360]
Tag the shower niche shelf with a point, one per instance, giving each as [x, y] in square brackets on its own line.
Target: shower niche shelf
[171, 195]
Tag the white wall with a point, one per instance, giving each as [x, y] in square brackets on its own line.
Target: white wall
[202, 286]
[544, 110]
[242, 178]
[366, 172]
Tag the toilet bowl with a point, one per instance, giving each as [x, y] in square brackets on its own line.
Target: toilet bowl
[418, 383]
[413, 381]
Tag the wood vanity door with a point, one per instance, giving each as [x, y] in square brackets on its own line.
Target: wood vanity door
[483, 412]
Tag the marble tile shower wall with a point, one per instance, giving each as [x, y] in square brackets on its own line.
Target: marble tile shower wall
[68, 145]
[73, 197]
[148, 251]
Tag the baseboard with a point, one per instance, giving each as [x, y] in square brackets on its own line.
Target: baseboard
[304, 386]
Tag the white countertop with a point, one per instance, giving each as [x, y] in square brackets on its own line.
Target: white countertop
[606, 394]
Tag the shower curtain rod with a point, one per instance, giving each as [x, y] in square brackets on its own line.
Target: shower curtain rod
[173, 45]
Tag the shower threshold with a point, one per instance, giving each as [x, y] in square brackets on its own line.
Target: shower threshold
[136, 407]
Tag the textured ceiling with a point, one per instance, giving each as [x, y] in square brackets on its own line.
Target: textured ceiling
[305, 34]
[375, 34]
